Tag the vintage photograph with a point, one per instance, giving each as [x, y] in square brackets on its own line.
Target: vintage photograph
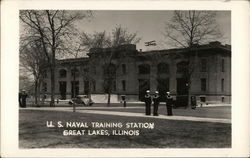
[124, 79]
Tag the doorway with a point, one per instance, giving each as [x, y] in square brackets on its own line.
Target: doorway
[144, 85]
[62, 89]
[182, 92]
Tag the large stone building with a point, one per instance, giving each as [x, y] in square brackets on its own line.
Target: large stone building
[127, 71]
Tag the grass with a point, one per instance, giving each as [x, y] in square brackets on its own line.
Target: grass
[33, 132]
[210, 112]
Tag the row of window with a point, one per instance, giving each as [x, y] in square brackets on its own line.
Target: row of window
[204, 65]
[162, 68]
[203, 82]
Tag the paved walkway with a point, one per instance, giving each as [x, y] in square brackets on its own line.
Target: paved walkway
[132, 114]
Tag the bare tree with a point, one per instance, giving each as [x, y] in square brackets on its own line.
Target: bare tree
[34, 61]
[187, 29]
[53, 28]
[119, 36]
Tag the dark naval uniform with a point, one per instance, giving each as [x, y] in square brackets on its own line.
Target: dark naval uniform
[169, 102]
[148, 104]
[23, 97]
[19, 99]
[156, 100]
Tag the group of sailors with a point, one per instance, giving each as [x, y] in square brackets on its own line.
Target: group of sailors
[155, 98]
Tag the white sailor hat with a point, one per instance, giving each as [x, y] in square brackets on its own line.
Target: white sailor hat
[156, 92]
[148, 91]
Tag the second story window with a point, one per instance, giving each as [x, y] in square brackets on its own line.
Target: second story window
[144, 69]
[163, 68]
[62, 73]
[182, 67]
[75, 72]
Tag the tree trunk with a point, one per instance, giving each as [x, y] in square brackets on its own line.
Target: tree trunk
[188, 95]
[36, 87]
[43, 98]
[109, 95]
[38, 94]
[52, 102]
[53, 60]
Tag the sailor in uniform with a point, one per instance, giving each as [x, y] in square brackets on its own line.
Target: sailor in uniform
[169, 103]
[148, 102]
[156, 100]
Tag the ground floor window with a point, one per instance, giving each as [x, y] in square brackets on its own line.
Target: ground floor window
[86, 87]
[74, 88]
[163, 87]
[123, 85]
[203, 84]
[144, 85]
[222, 85]
[93, 85]
[62, 89]
[44, 86]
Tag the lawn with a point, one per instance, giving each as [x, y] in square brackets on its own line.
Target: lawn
[211, 112]
[33, 132]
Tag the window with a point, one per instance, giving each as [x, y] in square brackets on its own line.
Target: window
[45, 74]
[75, 72]
[123, 69]
[123, 85]
[74, 88]
[203, 65]
[222, 99]
[93, 85]
[144, 69]
[163, 68]
[109, 70]
[86, 87]
[222, 85]
[182, 67]
[203, 84]
[62, 73]
[114, 86]
[163, 87]
[222, 65]
[86, 70]
[45, 87]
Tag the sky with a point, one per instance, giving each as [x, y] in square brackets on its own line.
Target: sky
[148, 24]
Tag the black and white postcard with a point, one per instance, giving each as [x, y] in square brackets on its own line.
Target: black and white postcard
[125, 79]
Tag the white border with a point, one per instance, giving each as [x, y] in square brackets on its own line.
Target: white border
[240, 77]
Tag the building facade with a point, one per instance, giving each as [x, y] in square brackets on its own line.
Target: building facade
[203, 71]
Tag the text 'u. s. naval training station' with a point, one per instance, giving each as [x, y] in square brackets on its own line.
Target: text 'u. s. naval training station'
[74, 128]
